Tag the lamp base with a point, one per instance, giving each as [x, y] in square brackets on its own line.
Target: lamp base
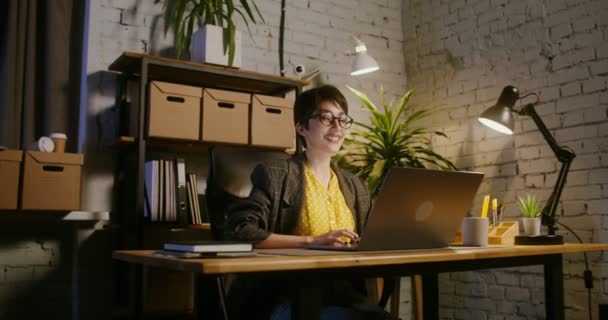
[542, 239]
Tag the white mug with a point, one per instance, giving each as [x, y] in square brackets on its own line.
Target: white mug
[475, 231]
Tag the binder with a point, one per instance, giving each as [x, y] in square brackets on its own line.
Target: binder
[182, 193]
[151, 183]
[161, 191]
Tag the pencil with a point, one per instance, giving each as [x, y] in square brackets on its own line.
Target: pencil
[495, 212]
[484, 209]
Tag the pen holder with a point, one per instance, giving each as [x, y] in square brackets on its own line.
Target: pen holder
[504, 233]
[475, 231]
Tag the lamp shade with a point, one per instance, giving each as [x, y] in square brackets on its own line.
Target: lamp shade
[363, 63]
[499, 117]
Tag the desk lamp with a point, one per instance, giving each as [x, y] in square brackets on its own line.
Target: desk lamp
[499, 118]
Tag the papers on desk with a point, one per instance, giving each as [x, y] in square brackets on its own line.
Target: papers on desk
[194, 255]
[491, 246]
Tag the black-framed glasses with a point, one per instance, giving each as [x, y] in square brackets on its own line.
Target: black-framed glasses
[327, 119]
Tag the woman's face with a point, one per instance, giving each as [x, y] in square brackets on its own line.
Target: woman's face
[321, 137]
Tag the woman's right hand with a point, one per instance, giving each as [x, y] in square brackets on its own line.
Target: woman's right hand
[338, 238]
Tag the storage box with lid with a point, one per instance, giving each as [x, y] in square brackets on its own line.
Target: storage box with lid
[174, 111]
[51, 181]
[225, 116]
[10, 167]
[272, 122]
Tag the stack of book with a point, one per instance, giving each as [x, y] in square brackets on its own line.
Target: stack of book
[199, 249]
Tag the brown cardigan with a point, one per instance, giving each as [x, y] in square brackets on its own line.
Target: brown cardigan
[277, 198]
[274, 206]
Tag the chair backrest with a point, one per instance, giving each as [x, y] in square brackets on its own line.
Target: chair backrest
[229, 179]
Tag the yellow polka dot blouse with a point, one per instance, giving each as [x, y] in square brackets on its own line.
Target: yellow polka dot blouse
[324, 209]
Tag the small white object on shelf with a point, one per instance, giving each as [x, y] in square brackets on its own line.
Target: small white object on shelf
[87, 215]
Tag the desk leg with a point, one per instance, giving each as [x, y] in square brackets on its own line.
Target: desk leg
[430, 296]
[554, 287]
[138, 292]
[307, 305]
[209, 297]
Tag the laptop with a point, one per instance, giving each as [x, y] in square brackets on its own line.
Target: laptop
[416, 209]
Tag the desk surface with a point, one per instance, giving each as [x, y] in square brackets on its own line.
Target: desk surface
[265, 263]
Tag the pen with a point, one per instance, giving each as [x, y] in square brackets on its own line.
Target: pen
[501, 208]
[484, 209]
[494, 212]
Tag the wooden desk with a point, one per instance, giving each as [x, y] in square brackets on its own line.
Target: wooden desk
[314, 269]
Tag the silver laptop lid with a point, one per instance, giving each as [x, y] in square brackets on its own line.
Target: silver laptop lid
[419, 209]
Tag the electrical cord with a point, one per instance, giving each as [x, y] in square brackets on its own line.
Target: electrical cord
[587, 275]
[282, 39]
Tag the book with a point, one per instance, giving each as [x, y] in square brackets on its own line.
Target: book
[208, 246]
[185, 254]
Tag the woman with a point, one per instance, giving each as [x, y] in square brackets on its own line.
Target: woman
[301, 201]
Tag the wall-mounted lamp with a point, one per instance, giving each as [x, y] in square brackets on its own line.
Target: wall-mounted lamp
[363, 63]
[499, 117]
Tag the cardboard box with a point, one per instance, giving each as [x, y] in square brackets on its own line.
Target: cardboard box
[10, 167]
[51, 181]
[225, 116]
[174, 111]
[272, 122]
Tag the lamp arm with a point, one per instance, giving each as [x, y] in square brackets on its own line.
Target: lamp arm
[564, 155]
[548, 213]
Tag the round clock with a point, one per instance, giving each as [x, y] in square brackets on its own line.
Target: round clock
[46, 144]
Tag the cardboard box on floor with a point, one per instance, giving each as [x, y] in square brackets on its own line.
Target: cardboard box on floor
[10, 167]
[272, 122]
[225, 116]
[51, 181]
[174, 111]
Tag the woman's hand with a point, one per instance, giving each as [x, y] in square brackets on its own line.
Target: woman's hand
[338, 238]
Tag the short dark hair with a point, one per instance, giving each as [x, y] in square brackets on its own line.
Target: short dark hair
[307, 103]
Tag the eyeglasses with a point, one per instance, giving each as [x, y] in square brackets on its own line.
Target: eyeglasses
[328, 119]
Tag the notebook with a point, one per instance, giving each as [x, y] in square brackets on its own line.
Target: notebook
[208, 246]
[416, 209]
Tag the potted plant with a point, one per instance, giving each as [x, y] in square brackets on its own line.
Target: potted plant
[216, 41]
[530, 209]
[390, 140]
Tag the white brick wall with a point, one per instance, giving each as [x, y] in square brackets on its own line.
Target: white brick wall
[460, 54]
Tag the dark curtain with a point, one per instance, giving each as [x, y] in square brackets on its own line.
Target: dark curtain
[40, 69]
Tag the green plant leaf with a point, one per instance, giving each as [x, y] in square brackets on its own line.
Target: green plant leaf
[179, 16]
[390, 140]
[375, 176]
[529, 206]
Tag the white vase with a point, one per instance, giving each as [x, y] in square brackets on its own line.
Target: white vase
[531, 226]
[207, 46]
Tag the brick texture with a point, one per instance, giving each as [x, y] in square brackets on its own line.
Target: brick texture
[459, 55]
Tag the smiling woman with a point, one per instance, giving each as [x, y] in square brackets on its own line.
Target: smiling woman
[302, 201]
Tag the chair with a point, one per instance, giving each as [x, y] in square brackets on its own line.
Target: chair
[229, 179]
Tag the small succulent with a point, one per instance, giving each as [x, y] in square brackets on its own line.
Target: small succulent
[529, 206]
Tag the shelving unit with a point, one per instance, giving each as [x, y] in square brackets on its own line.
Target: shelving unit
[133, 149]
[131, 152]
[55, 215]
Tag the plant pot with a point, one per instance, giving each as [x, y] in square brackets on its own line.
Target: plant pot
[531, 226]
[208, 46]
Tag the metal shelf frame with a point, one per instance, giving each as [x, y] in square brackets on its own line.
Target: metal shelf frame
[129, 189]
